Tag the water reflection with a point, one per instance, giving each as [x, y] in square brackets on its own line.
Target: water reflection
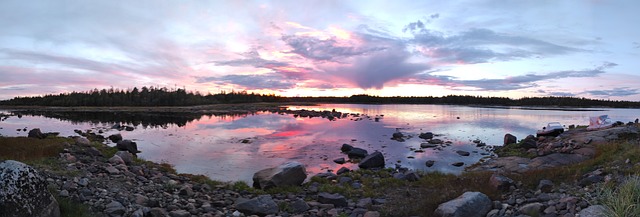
[234, 147]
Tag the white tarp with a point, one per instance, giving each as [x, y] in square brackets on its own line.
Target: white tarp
[599, 122]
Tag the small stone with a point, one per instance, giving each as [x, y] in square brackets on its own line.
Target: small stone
[532, 209]
[550, 210]
[83, 182]
[340, 160]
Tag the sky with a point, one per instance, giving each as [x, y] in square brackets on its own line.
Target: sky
[581, 48]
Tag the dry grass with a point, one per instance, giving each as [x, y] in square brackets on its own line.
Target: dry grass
[30, 149]
[421, 198]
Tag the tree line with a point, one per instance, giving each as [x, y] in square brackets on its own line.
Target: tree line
[155, 96]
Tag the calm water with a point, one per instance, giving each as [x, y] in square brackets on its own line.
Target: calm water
[212, 145]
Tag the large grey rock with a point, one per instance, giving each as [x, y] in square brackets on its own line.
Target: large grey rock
[23, 192]
[374, 160]
[593, 211]
[128, 145]
[469, 204]
[509, 139]
[261, 205]
[291, 173]
[335, 199]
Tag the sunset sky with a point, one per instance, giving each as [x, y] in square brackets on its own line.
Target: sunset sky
[585, 48]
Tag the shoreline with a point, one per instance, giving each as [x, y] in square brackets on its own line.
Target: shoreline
[83, 175]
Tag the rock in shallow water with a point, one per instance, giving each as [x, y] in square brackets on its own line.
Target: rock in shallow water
[374, 160]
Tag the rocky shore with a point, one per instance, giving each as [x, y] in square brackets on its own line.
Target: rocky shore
[114, 183]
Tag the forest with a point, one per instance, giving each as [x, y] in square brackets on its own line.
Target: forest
[155, 96]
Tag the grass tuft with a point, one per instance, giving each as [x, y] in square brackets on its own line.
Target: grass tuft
[624, 200]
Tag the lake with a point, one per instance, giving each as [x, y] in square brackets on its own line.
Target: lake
[233, 147]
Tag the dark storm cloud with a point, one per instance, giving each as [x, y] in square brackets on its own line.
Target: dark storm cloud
[621, 91]
[261, 81]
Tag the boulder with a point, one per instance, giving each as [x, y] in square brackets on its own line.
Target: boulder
[357, 153]
[469, 204]
[509, 139]
[261, 205]
[291, 173]
[126, 156]
[36, 133]
[128, 145]
[81, 141]
[335, 199]
[427, 135]
[501, 183]
[23, 192]
[115, 138]
[374, 160]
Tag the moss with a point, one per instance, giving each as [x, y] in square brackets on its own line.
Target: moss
[69, 208]
[513, 150]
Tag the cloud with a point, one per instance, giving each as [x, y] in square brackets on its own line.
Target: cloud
[508, 83]
[325, 49]
[619, 91]
[480, 45]
[262, 81]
